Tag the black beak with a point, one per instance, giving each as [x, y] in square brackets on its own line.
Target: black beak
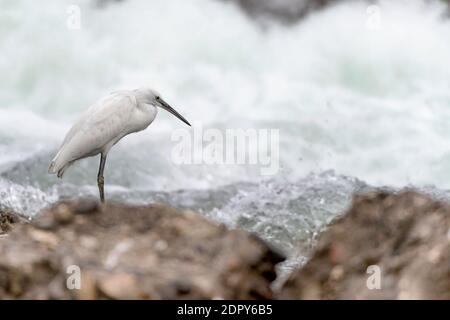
[167, 107]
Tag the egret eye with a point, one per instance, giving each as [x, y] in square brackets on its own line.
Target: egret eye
[157, 98]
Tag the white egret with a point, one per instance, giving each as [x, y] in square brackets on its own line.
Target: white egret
[104, 124]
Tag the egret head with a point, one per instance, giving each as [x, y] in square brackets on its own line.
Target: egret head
[152, 97]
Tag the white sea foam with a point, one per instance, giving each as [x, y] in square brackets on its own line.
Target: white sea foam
[369, 103]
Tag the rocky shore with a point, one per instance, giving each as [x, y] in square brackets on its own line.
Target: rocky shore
[386, 246]
[122, 252]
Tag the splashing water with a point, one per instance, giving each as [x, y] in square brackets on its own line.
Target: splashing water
[372, 104]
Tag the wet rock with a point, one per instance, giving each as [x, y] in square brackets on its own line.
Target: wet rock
[387, 246]
[285, 11]
[8, 219]
[80, 250]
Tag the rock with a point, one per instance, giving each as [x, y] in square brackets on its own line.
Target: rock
[285, 11]
[8, 219]
[404, 238]
[120, 286]
[88, 289]
[80, 250]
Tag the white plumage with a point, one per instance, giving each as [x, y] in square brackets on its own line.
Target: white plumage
[105, 123]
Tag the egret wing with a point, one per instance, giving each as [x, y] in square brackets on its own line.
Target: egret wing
[102, 125]
[113, 102]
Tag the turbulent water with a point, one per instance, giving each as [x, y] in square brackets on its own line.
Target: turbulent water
[359, 101]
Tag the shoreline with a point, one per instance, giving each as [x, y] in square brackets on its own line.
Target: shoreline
[159, 252]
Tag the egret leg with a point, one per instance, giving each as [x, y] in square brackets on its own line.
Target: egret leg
[100, 179]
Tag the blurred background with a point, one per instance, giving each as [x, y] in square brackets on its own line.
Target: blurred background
[360, 91]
